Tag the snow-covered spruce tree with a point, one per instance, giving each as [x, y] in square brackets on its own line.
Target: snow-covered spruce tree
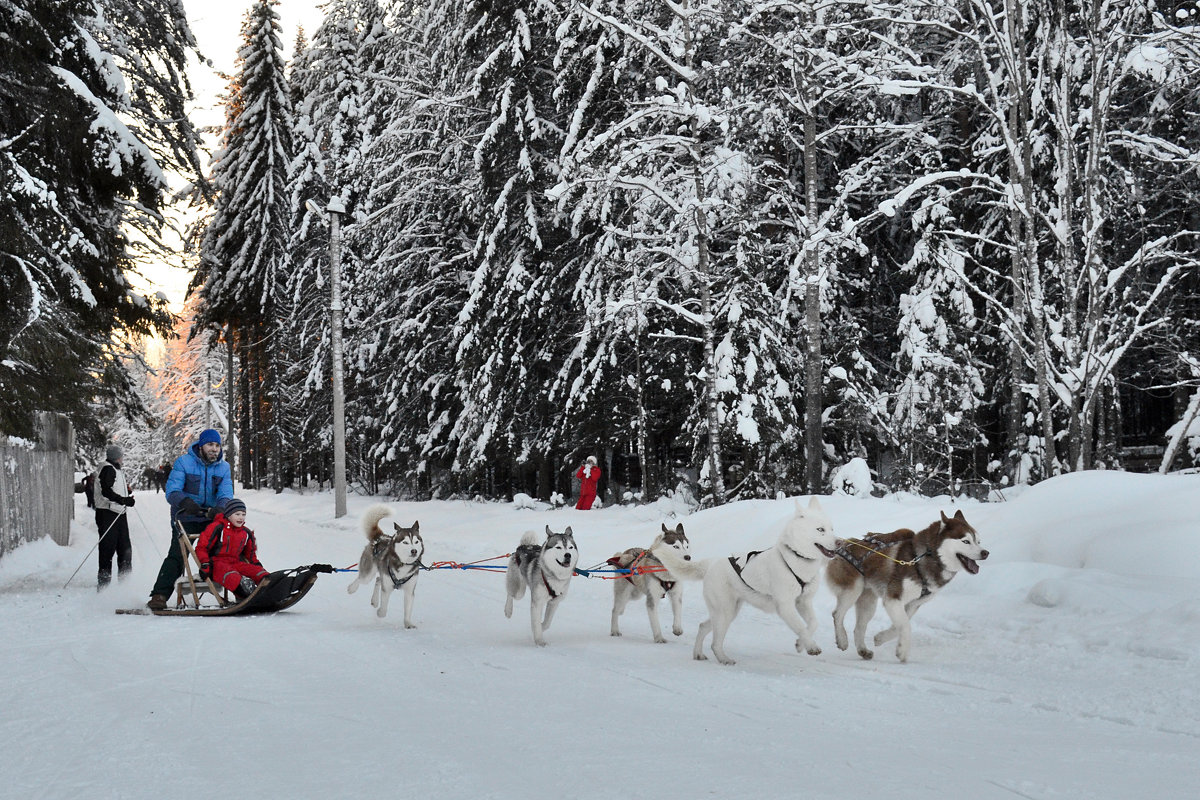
[86, 128]
[510, 333]
[244, 250]
[338, 86]
[670, 182]
[418, 239]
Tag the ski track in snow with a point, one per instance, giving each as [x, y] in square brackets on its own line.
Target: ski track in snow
[1089, 692]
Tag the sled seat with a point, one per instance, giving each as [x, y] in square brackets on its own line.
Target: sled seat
[189, 582]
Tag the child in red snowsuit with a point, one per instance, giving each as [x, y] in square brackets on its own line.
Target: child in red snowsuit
[588, 475]
[228, 553]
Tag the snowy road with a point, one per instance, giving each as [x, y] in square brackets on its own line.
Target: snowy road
[1065, 669]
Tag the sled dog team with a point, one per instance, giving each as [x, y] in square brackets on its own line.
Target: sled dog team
[903, 569]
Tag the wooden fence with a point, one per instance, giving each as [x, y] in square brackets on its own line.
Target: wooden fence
[37, 485]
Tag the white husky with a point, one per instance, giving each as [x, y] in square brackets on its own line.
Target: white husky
[546, 568]
[781, 579]
[394, 561]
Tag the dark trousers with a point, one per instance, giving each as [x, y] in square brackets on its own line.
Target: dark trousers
[114, 542]
[172, 566]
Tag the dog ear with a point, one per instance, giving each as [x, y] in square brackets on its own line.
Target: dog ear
[945, 519]
[814, 504]
[665, 529]
[567, 532]
[548, 531]
[416, 526]
[679, 530]
[958, 515]
[799, 508]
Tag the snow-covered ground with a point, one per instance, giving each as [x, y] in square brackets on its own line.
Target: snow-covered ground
[1067, 668]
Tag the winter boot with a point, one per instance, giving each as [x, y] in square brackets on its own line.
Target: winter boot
[244, 588]
[157, 602]
[103, 579]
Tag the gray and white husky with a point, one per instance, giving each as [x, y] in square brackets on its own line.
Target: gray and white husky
[393, 560]
[653, 581]
[546, 569]
[781, 579]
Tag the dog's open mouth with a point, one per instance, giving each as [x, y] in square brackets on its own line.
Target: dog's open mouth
[826, 551]
[566, 562]
[971, 564]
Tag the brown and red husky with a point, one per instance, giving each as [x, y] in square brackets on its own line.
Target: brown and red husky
[651, 579]
[904, 569]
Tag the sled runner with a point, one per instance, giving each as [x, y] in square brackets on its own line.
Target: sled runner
[277, 591]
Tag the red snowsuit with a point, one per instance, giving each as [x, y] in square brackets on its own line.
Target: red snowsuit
[235, 553]
[589, 476]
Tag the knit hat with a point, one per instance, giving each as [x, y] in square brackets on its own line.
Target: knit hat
[114, 453]
[209, 435]
[591, 459]
[232, 505]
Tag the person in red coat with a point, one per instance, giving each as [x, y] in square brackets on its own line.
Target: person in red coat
[589, 475]
[228, 552]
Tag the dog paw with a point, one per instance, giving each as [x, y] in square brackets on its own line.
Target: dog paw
[866, 654]
[542, 643]
[409, 626]
[660, 640]
[814, 651]
[700, 657]
[677, 630]
[728, 662]
[614, 633]
[902, 655]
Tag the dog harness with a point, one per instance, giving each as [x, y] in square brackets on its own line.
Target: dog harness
[873, 540]
[737, 568]
[379, 547]
[616, 562]
[857, 561]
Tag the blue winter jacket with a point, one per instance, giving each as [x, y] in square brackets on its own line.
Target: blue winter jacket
[208, 484]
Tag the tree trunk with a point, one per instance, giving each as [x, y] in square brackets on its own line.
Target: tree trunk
[814, 449]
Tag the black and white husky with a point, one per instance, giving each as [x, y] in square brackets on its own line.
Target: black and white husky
[394, 561]
[546, 569]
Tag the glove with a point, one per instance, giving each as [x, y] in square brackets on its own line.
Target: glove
[128, 500]
[205, 571]
[210, 512]
[189, 506]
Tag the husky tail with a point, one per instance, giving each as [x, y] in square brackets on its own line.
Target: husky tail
[670, 558]
[371, 518]
[531, 539]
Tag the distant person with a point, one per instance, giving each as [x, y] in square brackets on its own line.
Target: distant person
[198, 486]
[228, 552]
[113, 497]
[89, 489]
[589, 476]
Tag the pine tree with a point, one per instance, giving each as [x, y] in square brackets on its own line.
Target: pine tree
[244, 254]
[88, 123]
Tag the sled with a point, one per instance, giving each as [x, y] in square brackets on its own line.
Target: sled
[277, 591]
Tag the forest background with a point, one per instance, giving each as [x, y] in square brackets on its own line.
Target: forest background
[735, 245]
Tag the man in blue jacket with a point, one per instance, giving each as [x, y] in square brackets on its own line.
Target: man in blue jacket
[197, 488]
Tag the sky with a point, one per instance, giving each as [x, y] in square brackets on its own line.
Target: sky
[217, 27]
[1064, 670]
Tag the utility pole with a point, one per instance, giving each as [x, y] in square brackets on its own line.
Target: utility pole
[336, 209]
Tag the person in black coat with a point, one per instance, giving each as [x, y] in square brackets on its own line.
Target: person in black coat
[112, 498]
